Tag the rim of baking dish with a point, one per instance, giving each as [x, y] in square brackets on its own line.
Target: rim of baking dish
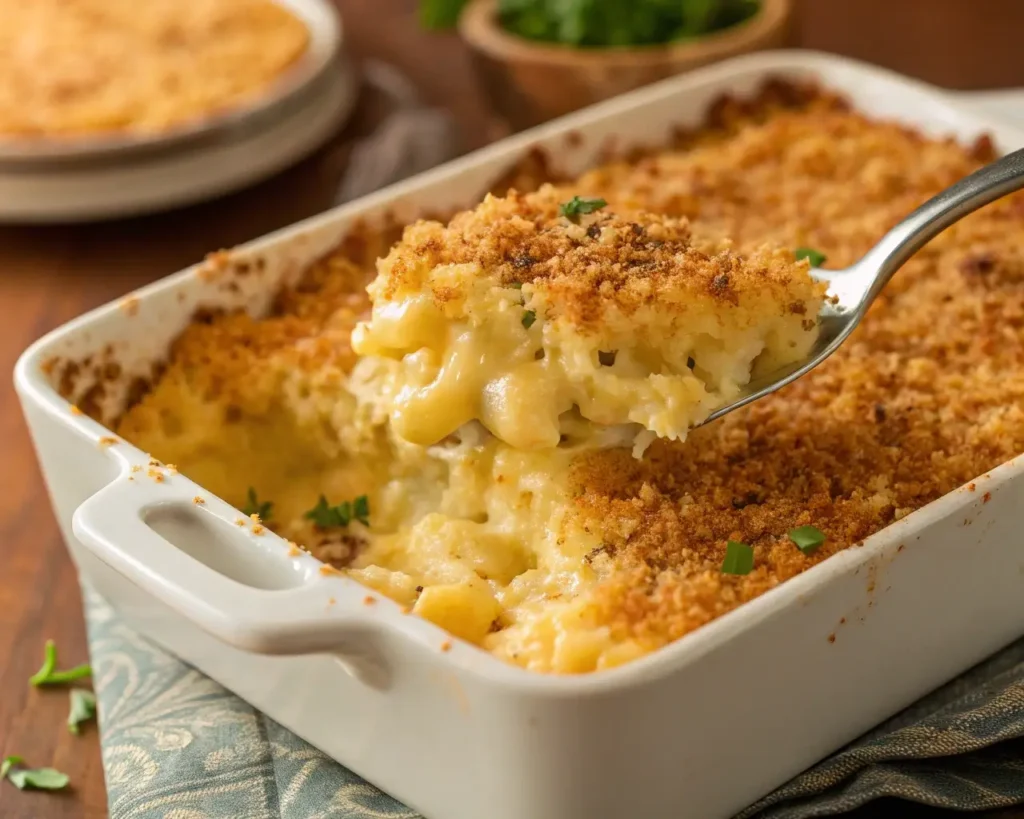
[32, 383]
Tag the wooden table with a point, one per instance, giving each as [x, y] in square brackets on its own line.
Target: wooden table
[48, 275]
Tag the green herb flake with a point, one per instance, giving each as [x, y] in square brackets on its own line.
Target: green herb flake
[254, 507]
[42, 779]
[83, 708]
[48, 674]
[815, 257]
[577, 206]
[49, 664]
[330, 517]
[739, 558]
[529, 317]
[807, 538]
[79, 672]
[46, 779]
[8, 763]
[361, 510]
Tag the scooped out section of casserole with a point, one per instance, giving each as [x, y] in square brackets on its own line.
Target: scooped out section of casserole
[265, 403]
[532, 312]
[580, 557]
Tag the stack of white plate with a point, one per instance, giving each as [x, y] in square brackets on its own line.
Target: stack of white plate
[124, 175]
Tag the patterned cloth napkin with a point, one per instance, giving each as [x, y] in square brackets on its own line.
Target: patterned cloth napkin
[176, 744]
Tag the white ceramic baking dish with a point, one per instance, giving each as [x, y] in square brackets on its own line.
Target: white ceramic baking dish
[698, 729]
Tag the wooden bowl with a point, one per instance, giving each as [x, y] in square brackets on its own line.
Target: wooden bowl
[530, 82]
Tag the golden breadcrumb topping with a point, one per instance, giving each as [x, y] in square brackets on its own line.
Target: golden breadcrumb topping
[74, 67]
[224, 356]
[927, 394]
[624, 258]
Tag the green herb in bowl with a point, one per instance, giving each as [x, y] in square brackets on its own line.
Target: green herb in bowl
[602, 23]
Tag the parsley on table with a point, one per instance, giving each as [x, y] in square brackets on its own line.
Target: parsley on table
[807, 538]
[739, 558]
[83, 708]
[254, 507]
[815, 257]
[46, 779]
[328, 517]
[49, 675]
[577, 206]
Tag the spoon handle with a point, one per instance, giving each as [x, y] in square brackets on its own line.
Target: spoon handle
[972, 192]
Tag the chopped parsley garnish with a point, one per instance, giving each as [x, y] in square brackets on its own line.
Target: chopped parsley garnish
[807, 538]
[49, 675]
[815, 257]
[46, 779]
[329, 517]
[739, 558]
[361, 510]
[83, 708]
[577, 206]
[254, 507]
[529, 317]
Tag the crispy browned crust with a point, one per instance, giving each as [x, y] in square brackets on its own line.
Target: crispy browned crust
[586, 265]
[224, 357]
[927, 395]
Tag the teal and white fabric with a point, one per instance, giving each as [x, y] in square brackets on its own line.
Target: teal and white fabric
[178, 746]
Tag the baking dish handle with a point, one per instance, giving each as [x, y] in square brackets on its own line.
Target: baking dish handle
[112, 525]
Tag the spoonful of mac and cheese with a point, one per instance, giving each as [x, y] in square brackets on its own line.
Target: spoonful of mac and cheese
[545, 317]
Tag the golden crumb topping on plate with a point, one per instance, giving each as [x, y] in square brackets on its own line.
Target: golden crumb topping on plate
[72, 68]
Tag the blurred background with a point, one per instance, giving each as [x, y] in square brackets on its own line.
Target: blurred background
[472, 70]
[958, 44]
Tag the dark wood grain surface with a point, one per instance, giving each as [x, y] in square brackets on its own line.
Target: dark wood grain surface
[48, 275]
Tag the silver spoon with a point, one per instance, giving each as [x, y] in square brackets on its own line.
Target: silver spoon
[857, 286]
